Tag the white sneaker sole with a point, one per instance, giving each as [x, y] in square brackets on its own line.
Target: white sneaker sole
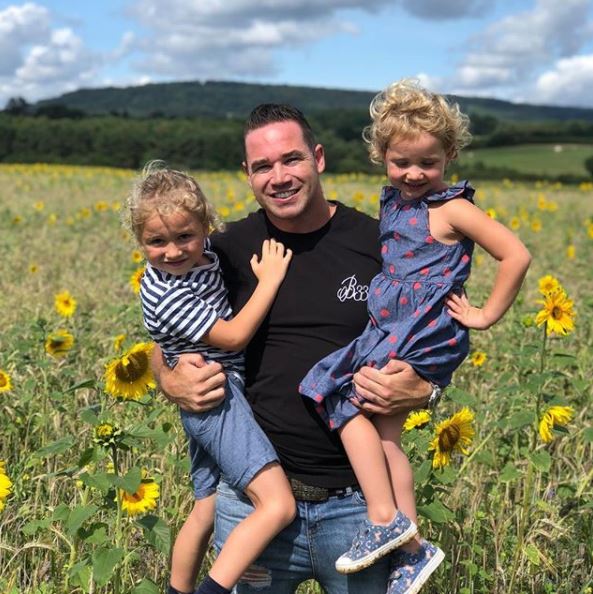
[350, 566]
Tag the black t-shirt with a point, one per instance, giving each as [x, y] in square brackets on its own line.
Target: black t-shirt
[320, 307]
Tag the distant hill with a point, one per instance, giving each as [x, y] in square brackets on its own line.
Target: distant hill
[233, 99]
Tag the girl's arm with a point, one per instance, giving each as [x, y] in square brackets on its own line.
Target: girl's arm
[235, 334]
[467, 219]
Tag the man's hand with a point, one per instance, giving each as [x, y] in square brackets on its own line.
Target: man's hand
[393, 389]
[192, 384]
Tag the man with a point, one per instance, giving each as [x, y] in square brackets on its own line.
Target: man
[320, 307]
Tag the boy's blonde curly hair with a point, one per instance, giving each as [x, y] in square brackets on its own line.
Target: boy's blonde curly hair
[164, 191]
[404, 110]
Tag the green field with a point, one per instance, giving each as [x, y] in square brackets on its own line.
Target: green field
[537, 159]
[514, 515]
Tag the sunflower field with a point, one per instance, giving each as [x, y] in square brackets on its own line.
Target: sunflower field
[93, 469]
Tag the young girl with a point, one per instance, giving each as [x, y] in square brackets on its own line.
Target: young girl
[418, 313]
[185, 309]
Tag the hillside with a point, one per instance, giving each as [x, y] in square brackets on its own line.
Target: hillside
[232, 99]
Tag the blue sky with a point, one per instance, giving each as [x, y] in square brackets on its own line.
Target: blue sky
[533, 51]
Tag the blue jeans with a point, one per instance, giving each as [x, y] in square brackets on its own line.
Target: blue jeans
[306, 549]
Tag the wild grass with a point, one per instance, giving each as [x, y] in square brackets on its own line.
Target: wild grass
[514, 516]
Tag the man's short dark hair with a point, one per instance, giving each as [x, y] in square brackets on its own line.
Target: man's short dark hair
[269, 113]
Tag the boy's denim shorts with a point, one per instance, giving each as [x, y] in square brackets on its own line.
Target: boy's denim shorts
[226, 441]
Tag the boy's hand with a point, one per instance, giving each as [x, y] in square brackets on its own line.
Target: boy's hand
[272, 266]
[461, 310]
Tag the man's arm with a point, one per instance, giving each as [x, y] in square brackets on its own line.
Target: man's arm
[393, 389]
[192, 384]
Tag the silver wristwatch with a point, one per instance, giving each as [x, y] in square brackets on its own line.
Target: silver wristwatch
[434, 397]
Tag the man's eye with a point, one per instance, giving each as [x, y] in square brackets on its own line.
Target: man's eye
[185, 236]
[260, 169]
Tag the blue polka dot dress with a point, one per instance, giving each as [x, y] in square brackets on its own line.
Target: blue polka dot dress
[407, 317]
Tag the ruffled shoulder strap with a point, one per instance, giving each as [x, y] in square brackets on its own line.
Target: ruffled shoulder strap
[462, 189]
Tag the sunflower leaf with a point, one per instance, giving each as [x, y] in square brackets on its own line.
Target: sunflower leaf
[421, 474]
[130, 482]
[520, 419]
[541, 460]
[146, 587]
[588, 434]
[104, 562]
[90, 383]
[57, 447]
[78, 516]
[157, 532]
[509, 473]
[436, 512]
[99, 480]
[460, 397]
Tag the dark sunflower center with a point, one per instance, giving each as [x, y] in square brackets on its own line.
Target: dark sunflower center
[557, 312]
[449, 438]
[132, 370]
[3, 381]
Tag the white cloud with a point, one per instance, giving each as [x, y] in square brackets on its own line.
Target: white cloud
[506, 58]
[38, 59]
[238, 38]
[569, 83]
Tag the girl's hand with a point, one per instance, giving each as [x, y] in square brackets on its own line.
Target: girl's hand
[461, 310]
[273, 264]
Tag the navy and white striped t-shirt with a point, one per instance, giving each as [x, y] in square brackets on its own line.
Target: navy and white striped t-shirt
[179, 310]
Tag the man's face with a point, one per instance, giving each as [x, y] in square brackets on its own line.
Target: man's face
[283, 173]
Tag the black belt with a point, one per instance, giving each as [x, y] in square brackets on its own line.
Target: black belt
[304, 492]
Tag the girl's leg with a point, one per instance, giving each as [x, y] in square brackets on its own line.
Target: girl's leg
[390, 429]
[191, 544]
[365, 451]
[275, 508]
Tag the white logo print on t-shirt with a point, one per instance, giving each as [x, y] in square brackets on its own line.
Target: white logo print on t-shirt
[350, 289]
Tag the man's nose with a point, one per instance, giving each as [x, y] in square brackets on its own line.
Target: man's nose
[279, 176]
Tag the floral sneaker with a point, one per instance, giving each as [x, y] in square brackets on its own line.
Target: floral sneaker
[374, 541]
[410, 571]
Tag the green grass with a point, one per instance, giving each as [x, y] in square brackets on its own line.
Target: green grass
[538, 159]
[514, 516]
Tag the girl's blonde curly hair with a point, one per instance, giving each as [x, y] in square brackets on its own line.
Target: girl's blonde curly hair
[404, 110]
[164, 191]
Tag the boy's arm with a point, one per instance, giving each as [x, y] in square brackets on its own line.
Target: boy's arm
[235, 334]
[192, 384]
[505, 247]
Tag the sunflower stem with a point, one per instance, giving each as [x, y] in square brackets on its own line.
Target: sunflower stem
[118, 520]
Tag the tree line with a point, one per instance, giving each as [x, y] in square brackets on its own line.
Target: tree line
[60, 134]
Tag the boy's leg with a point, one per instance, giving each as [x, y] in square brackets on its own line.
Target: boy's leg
[274, 509]
[191, 544]
[306, 549]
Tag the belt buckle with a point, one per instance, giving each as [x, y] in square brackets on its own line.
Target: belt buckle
[304, 492]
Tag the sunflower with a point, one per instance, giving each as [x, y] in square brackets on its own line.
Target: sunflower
[136, 278]
[555, 416]
[143, 500]
[478, 358]
[536, 225]
[417, 419]
[5, 382]
[548, 284]
[137, 256]
[491, 213]
[452, 435]
[58, 343]
[129, 377]
[33, 268]
[106, 434]
[65, 304]
[118, 342]
[5, 485]
[571, 251]
[557, 314]
[101, 206]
